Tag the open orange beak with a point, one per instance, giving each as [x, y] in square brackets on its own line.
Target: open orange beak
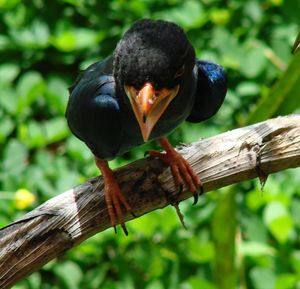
[148, 105]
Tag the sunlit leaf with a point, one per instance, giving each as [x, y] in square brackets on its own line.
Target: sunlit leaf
[255, 249]
[278, 221]
[198, 282]
[155, 285]
[286, 281]
[200, 251]
[295, 260]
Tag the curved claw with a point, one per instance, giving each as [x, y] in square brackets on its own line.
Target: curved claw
[180, 168]
[133, 214]
[195, 195]
[200, 190]
[124, 229]
[180, 189]
[113, 196]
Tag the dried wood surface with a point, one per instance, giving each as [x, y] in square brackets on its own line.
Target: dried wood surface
[71, 217]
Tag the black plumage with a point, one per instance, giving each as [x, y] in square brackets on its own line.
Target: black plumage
[152, 54]
[99, 113]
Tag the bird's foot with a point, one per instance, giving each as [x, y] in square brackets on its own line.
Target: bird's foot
[113, 197]
[181, 170]
[114, 200]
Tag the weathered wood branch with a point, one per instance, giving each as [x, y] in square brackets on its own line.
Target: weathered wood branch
[71, 217]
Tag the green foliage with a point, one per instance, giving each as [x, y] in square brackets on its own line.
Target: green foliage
[282, 99]
[43, 46]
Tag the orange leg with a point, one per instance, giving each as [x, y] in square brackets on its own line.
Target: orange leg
[113, 195]
[180, 168]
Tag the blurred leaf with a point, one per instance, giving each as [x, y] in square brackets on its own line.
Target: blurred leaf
[74, 2]
[295, 261]
[57, 94]
[32, 134]
[69, 40]
[282, 98]
[6, 127]
[254, 229]
[196, 283]
[4, 42]
[55, 129]
[16, 17]
[8, 4]
[255, 61]
[189, 14]
[9, 100]
[278, 221]
[255, 199]
[95, 277]
[286, 281]
[14, 156]
[65, 41]
[262, 278]
[255, 249]
[232, 53]
[147, 225]
[8, 72]
[69, 273]
[220, 16]
[38, 134]
[155, 285]
[32, 37]
[247, 88]
[200, 252]
[291, 9]
[77, 149]
[30, 86]
[253, 9]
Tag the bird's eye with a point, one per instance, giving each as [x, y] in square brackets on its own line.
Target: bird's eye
[179, 72]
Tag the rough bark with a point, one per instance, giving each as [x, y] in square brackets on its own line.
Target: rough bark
[73, 216]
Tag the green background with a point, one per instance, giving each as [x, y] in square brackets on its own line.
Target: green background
[43, 46]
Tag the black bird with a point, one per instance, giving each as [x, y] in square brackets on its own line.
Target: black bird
[150, 84]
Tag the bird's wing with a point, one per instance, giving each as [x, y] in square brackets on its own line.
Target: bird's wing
[93, 112]
[93, 72]
[210, 92]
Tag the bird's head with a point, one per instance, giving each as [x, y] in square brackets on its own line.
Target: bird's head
[151, 62]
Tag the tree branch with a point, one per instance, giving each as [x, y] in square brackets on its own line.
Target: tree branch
[73, 216]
